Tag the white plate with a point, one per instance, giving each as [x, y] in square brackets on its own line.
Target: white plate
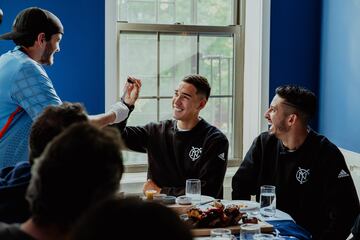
[204, 199]
[244, 205]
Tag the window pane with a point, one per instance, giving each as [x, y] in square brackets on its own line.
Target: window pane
[144, 112]
[190, 12]
[215, 12]
[216, 63]
[165, 109]
[178, 57]
[132, 49]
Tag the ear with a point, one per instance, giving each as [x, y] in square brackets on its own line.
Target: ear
[41, 39]
[202, 103]
[292, 119]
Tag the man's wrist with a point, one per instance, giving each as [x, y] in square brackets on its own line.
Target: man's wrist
[129, 106]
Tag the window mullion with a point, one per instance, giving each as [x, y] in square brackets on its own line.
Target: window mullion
[158, 77]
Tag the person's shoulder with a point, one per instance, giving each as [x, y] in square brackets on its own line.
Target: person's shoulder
[211, 131]
[160, 126]
[266, 137]
[325, 147]
[322, 141]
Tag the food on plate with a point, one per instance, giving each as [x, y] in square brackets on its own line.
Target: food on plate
[246, 219]
[217, 215]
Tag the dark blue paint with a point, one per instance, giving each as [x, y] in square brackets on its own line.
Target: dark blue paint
[295, 45]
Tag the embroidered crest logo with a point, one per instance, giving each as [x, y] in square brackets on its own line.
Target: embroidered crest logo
[302, 175]
[195, 153]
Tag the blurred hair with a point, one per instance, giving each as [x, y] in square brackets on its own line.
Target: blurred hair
[51, 122]
[131, 217]
[80, 167]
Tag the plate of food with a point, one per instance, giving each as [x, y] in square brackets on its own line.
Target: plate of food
[220, 214]
[185, 200]
[244, 205]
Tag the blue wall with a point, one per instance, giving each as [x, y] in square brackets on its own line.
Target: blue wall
[340, 73]
[78, 72]
[295, 45]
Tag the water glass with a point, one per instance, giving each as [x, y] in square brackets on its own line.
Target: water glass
[193, 189]
[267, 201]
[263, 236]
[248, 230]
[220, 234]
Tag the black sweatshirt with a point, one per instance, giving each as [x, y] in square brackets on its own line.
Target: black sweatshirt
[313, 183]
[175, 156]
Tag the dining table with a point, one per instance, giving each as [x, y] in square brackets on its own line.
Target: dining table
[284, 227]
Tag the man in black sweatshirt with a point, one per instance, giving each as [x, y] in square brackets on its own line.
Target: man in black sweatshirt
[181, 148]
[313, 183]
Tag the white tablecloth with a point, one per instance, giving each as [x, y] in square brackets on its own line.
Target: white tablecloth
[280, 215]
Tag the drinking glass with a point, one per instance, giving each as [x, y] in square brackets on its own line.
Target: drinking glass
[193, 189]
[263, 236]
[220, 234]
[267, 200]
[248, 230]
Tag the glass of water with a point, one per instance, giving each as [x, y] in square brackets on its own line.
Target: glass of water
[267, 201]
[220, 234]
[263, 236]
[248, 230]
[193, 190]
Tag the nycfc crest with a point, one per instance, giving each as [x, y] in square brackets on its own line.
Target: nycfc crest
[195, 153]
[302, 175]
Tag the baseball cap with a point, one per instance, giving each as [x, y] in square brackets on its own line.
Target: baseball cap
[32, 21]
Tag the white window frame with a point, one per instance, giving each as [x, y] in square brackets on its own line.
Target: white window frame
[255, 84]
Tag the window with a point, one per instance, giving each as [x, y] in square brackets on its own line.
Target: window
[161, 41]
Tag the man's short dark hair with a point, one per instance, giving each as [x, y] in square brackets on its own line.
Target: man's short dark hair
[300, 98]
[105, 220]
[51, 122]
[201, 84]
[29, 23]
[80, 167]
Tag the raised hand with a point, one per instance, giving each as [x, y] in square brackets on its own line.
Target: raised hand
[131, 90]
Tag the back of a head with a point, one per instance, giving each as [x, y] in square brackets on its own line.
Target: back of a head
[201, 84]
[302, 99]
[131, 217]
[79, 167]
[51, 122]
[29, 23]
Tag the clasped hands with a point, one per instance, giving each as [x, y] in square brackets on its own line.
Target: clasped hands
[130, 95]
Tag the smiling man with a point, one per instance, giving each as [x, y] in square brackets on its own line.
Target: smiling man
[313, 183]
[25, 88]
[184, 147]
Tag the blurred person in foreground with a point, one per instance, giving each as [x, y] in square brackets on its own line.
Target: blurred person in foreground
[25, 88]
[80, 167]
[14, 180]
[134, 218]
[313, 183]
[181, 148]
